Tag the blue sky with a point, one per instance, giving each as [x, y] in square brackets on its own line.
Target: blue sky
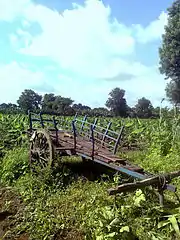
[82, 49]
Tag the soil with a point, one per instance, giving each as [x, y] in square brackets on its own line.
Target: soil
[11, 212]
[11, 209]
[72, 234]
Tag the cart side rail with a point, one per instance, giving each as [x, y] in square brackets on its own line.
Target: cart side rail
[99, 135]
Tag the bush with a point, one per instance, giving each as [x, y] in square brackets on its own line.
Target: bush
[14, 165]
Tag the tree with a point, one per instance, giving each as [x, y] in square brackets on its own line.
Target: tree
[52, 104]
[29, 100]
[62, 105]
[3, 107]
[131, 112]
[170, 53]
[81, 109]
[144, 108]
[48, 103]
[173, 92]
[117, 103]
[9, 108]
[100, 112]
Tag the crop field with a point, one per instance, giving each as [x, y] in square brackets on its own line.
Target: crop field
[71, 200]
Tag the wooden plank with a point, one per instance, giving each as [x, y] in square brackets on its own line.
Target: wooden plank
[89, 154]
[102, 159]
[111, 158]
[77, 145]
[63, 148]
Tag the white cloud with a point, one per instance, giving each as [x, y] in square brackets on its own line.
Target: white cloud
[147, 83]
[20, 38]
[83, 40]
[10, 9]
[14, 78]
[120, 67]
[153, 31]
[89, 42]
[25, 24]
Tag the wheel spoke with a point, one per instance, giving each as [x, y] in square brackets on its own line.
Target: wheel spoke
[43, 161]
[43, 142]
[41, 153]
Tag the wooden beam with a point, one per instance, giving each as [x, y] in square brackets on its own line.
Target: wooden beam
[156, 180]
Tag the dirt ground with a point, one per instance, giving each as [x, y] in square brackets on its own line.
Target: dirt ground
[69, 235]
[11, 209]
[11, 212]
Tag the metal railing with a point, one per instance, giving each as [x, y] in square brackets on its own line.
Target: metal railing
[102, 136]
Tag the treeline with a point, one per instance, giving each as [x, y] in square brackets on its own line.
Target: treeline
[116, 105]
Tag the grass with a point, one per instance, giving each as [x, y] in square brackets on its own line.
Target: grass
[56, 207]
[71, 201]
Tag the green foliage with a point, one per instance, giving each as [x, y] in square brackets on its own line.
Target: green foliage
[173, 92]
[100, 112]
[13, 166]
[170, 51]
[59, 202]
[29, 100]
[9, 108]
[117, 103]
[144, 108]
[85, 206]
[11, 131]
[57, 104]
